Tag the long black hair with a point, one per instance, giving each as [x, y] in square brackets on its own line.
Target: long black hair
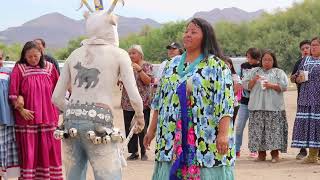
[30, 45]
[273, 55]
[254, 53]
[229, 61]
[209, 44]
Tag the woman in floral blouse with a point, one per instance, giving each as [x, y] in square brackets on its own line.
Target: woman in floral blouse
[143, 75]
[193, 107]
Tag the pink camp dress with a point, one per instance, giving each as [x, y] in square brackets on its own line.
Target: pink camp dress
[39, 152]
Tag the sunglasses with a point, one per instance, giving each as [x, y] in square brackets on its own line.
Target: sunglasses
[172, 48]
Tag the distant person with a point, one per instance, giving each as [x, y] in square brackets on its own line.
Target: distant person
[9, 160]
[306, 133]
[253, 57]
[268, 127]
[42, 44]
[173, 49]
[304, 51]
[7, 58]
[143, 75]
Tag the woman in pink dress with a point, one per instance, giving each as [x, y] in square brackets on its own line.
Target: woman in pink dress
[34, 79]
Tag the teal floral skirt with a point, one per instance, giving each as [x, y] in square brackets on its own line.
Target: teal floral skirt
[162, 172]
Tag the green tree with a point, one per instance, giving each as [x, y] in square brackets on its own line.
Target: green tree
[64, 53]
[13, 50]
[281, 32]
[154, 41]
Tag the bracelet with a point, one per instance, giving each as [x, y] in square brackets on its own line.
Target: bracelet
[139, 70]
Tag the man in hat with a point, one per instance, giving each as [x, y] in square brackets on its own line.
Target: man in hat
[174, 49]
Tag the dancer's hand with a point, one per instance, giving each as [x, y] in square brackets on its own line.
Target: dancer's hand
[148, 138]
[138, 123]
[26, 114]
[222, 144]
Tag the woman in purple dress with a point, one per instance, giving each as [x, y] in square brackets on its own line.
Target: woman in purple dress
[306, 131]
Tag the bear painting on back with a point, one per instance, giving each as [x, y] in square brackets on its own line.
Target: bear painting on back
[90, 73]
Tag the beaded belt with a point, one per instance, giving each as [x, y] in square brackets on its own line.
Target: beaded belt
[100, 114]
[90, 112]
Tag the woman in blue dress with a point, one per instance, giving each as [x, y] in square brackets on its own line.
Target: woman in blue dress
[306, 130]
[9, 164]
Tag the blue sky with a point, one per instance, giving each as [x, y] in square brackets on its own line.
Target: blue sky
[16, 12]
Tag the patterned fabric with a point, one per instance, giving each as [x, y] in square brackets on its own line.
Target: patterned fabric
[8, 147]
[268, 130]
[162, 169]
[306, 130]
[35, 85]
[184, 157]
[144, 90]
[211, 99]
[9, 162]
[6, 115]
[40, 153]
[310, 91]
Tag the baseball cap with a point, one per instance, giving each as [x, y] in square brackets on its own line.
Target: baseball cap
[174, 45]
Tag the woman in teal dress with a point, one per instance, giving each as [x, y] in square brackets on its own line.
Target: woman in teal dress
[193, 107]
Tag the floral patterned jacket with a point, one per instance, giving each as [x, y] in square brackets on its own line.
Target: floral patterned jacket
[211, 97]
[144, 90]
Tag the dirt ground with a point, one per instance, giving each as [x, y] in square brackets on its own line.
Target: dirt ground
[289, 168]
